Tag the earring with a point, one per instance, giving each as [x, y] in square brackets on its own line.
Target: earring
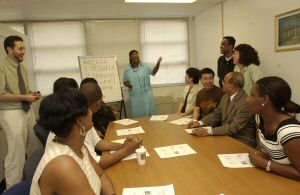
[82, 131]
[262, 104]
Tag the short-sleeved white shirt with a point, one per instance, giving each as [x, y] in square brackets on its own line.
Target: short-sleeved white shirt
[91, 140]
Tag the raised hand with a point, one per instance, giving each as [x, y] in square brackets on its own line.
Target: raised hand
[159, 60]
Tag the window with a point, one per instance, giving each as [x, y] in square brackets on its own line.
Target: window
[19, 27]
[113, 37]
[56, 47]
[169, 39]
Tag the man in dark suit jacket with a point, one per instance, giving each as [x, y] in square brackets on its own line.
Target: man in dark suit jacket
[232, 113]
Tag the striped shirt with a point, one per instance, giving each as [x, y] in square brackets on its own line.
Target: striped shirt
[54, 150]
[272, 145]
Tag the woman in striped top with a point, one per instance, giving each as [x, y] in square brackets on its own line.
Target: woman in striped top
[66, 166]
[278, 132]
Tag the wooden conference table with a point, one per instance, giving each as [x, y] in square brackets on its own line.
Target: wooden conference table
[195, 174]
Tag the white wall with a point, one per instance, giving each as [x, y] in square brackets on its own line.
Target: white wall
[208, 35]
[249, 22]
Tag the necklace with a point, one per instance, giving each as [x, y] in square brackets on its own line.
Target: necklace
[81, 153]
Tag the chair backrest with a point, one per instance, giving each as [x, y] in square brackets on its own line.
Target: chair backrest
[31, 163]
[22, 188]
[41, 133]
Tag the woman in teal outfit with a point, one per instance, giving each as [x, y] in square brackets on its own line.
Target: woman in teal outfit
[137, 79]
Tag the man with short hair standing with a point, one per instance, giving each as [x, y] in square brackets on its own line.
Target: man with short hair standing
[15, 100]
[225, 62]
[233, 113]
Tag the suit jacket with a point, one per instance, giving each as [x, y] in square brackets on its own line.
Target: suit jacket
[236, 119]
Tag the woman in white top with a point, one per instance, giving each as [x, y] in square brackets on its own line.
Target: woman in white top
[188, 100]
[66, 166]
[278, 132]
[247, 62]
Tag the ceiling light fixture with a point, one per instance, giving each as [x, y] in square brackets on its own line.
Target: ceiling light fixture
[160, 1]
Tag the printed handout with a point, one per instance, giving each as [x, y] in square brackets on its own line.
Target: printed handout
[125, 122]
[190, 131]
[159, 118]
[156, 190]
[130, 131]
[239, 160]
[119, 141]
[175, 150]
[182, 121]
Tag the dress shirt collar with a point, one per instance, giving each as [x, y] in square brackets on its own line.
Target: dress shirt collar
[232, 96]
[227, 59]
[15, 64]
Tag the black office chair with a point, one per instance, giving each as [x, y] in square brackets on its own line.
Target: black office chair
[31, 163]
[22, 188]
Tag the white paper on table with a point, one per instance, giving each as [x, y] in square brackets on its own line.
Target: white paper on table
[156, 190]
[131, 156]
[182, 121]
[119, 141]
[239, 160]
[175, 150]
[191, 130]
[159, 118]
[125, 121]
[130, 131]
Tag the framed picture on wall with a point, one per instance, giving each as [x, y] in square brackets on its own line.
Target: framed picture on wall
[287, 31]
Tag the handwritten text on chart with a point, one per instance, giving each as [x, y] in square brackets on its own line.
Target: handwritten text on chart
[105, 71]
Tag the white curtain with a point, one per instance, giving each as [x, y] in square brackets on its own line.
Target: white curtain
[113, 37]
[56, 47]
[168, 39]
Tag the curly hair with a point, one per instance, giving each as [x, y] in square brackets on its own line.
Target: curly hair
[59, 111]
[193, 73]
[248, 55]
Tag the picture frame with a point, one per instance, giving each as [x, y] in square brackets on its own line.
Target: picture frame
[287, 31]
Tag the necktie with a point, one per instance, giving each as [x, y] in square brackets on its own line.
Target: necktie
[228, 105]
[25, 105]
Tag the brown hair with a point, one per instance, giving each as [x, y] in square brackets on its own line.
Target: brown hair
[248, 55]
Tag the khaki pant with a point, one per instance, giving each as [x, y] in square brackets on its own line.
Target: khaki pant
[18, 129]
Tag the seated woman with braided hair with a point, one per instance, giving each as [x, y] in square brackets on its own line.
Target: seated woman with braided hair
[67, 166]
[278, 132]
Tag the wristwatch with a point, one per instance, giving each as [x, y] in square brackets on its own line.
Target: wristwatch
[268, 167]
